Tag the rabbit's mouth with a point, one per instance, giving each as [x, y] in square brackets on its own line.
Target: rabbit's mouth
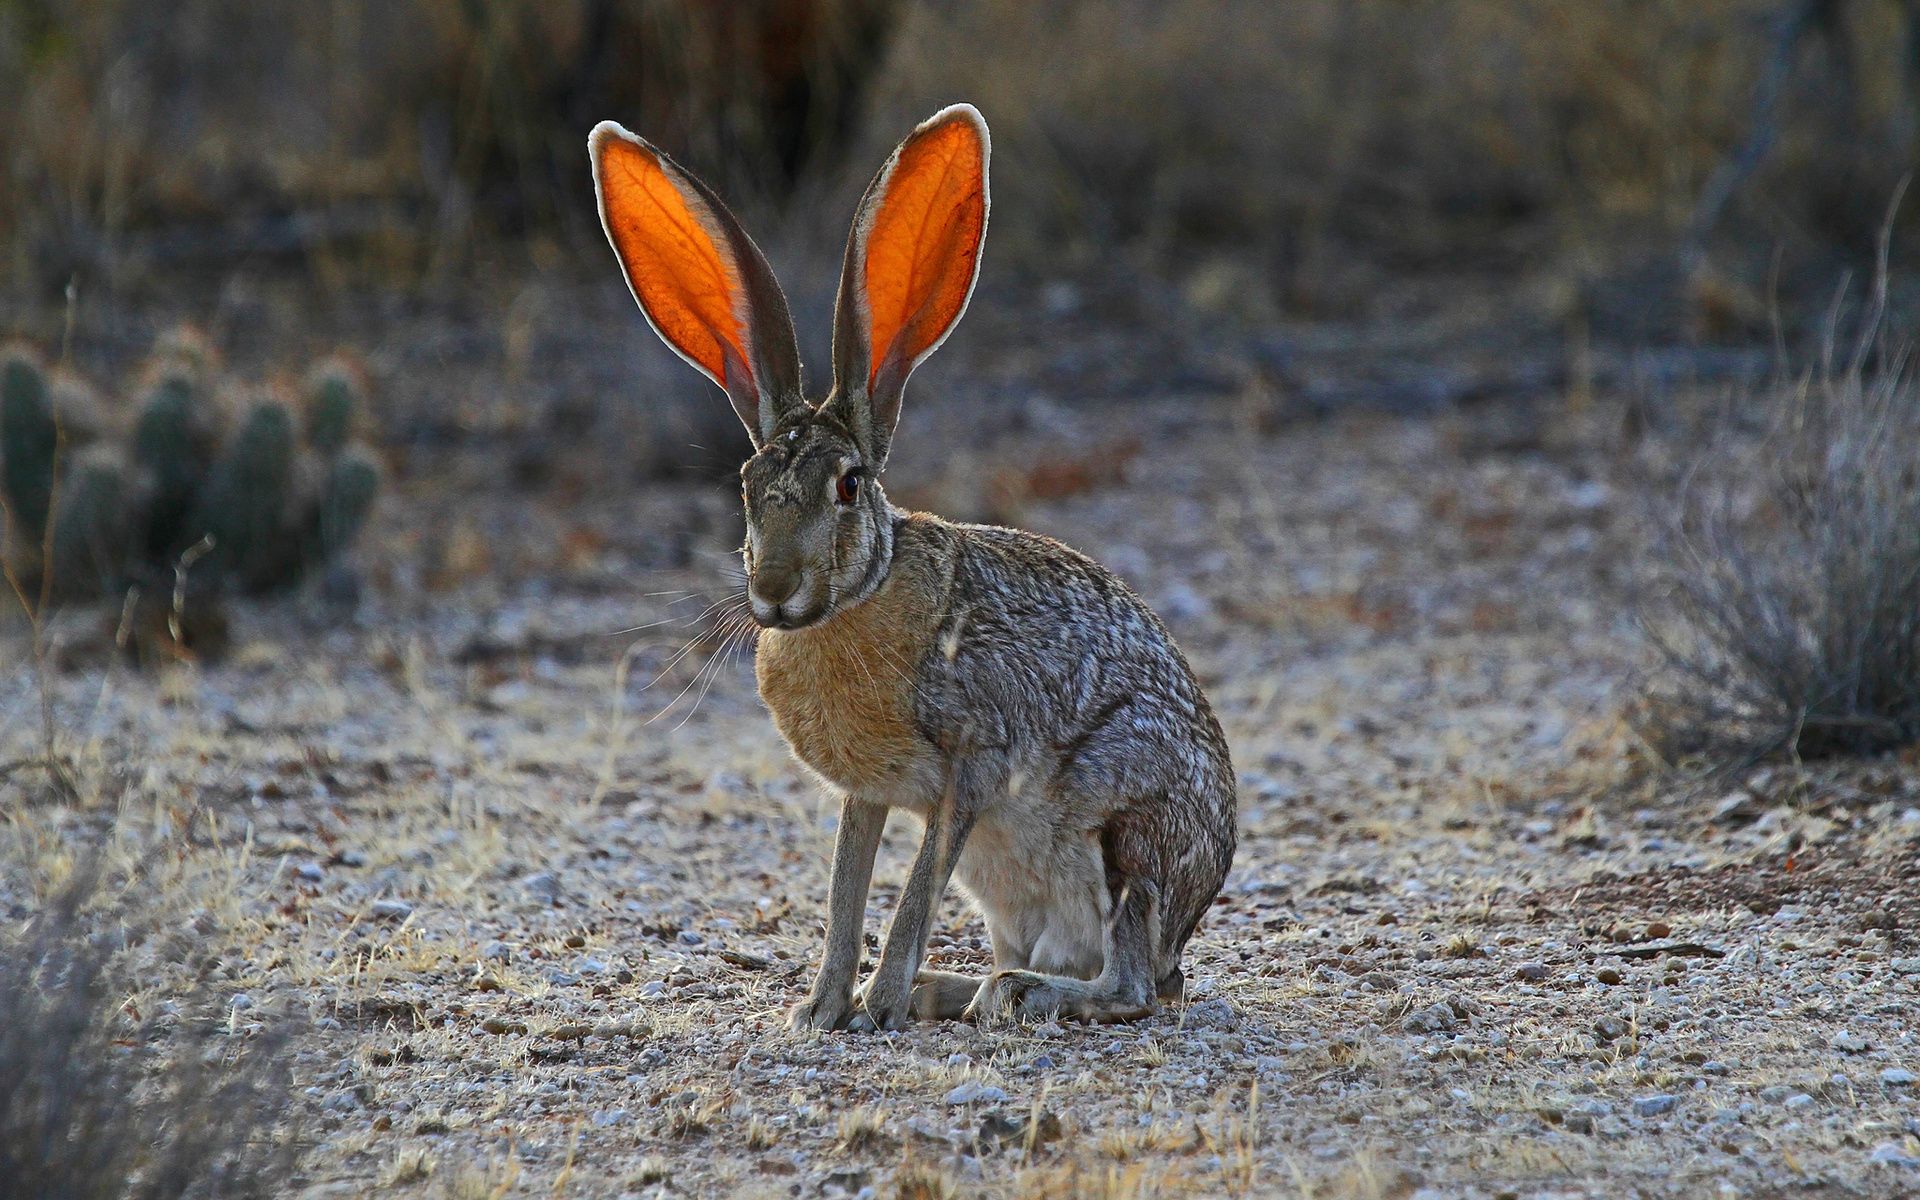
[797, 609]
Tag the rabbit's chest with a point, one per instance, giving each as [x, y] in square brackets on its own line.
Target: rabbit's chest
[842, 692]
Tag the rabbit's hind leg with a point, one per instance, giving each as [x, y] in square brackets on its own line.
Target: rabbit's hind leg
[943, 995]
[1126, 988]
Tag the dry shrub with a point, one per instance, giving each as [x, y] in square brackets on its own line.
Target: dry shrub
[1790, 597]
[97, 1106]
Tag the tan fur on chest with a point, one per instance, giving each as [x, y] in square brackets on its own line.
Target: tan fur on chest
[841, 692]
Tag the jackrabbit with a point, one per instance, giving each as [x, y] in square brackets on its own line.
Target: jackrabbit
[1011, 692]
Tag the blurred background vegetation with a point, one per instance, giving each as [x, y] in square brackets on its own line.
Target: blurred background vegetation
[389, 141]
[1649, 170]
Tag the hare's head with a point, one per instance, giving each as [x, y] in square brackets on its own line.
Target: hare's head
[819, 530]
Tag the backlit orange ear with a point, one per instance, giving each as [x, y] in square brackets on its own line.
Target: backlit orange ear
[912, 260]
[924, 236]
[699, 279]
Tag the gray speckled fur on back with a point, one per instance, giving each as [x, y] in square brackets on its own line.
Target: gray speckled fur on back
[1011, 692]
[1063, 673]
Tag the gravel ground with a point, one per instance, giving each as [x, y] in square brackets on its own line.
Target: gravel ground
[537, 895]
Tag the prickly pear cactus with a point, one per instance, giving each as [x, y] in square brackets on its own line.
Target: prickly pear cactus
[280, 491]
[244, 504]
[28, 440]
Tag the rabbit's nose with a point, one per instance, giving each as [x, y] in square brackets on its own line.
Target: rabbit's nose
[776, 586]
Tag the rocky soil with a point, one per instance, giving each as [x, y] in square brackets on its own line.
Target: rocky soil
[535, 892]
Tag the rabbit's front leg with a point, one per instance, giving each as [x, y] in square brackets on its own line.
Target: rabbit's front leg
[858, 839]
[886, 1001]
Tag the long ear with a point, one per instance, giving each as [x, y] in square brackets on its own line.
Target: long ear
[911, 265]
[704, 286]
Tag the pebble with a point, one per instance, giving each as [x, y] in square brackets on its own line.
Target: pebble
[1049, 1029]
[1653, 1106]
[1799, 1100]
[311, 872]
[1608, 976]
[1530, 970]
[616, 1116]
[544, 887]
[1435, 1019]
[391, 910]
[1210, 1014]
[591, 966]
[687, 937]
[1658, 929]
[1897, 1077]
[652, 988]
[1849, 1042]
[1893, 1154]
[496, 952]
[973, 1091]
[1906, 966]
[241, 1001]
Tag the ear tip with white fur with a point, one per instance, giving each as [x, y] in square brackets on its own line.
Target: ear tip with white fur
[958, 112]
[607, 131]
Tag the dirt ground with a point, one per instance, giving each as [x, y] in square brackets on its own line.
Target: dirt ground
[520, 854]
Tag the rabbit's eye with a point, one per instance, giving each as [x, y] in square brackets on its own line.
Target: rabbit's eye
[848, 489]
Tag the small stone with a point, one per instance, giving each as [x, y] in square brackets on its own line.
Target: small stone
[241, 1001]
[575, 941]
[544, 887]
[1043, 1063]
[652, 988]
[1906, 966]
[311, 872]
[1897, 1077]
[1893, 1154]
[1799, 1100]
[1715, 1067]
[1049, 1029]
[341, 1102]
[348, 858]
[591, 966]
[1210, 1014]
[1530, 970]
[687, 937]
[391, 910]
[1608, 1029]
[1658, 929]
[1435, 1019]
[973, 1091]
[1653, 1106]
[601, 1120]
[1847, 1041]
[1608, 976]
[496, 952]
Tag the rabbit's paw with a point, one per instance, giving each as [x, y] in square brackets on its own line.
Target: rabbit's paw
[1024, 994]
[820, 1013]
[879, 1009]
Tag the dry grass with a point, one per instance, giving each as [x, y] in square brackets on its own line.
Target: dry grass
[1794, 570]
[105, 1102]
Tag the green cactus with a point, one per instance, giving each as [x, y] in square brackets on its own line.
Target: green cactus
[284, 494]
[330, 410]
[244, 504]
[175, 441]
[352, 483]
[28, 444]
[92, 525]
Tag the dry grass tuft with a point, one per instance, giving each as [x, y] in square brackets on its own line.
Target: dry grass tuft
[1791, 580]
[101, 1104]
[863, 1128]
